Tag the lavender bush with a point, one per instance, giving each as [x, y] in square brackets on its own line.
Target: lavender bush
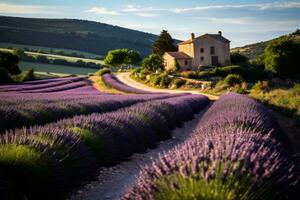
[41, 157]
[234, 153]
[131, 129]
[115, 83]
[32, 103]
[44, 162]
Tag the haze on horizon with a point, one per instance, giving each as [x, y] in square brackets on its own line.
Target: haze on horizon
[243, 22]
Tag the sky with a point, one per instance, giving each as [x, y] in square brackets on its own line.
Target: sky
[242, 22]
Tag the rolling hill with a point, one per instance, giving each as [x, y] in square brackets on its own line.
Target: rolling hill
[89, 36]
[256, 49]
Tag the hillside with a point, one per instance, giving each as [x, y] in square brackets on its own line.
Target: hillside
[256, 49]
[93, 37]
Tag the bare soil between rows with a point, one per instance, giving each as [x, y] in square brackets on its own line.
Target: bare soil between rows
[112, 182]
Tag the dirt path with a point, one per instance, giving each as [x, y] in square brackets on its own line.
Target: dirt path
[99, 85]
[112, 182]
[125, 78]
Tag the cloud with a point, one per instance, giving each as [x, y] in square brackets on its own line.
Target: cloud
[10, 8]
[260, 6]
[127, 9]
[239, 20]
[284, 5]
[141, 11]
[146, 14]
[103, 11]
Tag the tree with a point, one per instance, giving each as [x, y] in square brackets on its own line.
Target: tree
[163, 44]
[133, 57]
[9, 62]
[153, 62]
[4, 76]
[19, 52]
[237, 58]
[281, 57]
[121, 57]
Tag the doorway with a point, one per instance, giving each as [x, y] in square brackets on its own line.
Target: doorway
[214, 60]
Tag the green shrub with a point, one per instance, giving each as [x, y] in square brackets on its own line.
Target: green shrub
[4, 76]
[153, 63]
[189, 74]
[241, 91]
[237, 58]
[103, 71]
[136, 70]
[165, 81]
[233, 79]
[155, 79]
[251, 74]
[161, 80]
[29, 75]
[282, 58]
[263, 86]
[221, 86]
[259, 62]
[177, 82]
[9, 62]
[145, 71]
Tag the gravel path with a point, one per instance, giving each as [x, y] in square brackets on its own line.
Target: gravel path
[113, 181]
[125, 78]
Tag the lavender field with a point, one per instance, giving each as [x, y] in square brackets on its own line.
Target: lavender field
[57, 133]
[241, 156]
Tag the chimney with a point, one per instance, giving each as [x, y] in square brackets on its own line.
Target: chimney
[193, 36]
[220, 32]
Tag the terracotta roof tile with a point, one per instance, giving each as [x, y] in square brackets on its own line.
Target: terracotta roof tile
[215, 36]
[186, 42]
[179, 55]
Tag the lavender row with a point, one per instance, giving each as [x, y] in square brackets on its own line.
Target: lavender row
[70, 151]
[18, 110]
[33, 85]
[134, 128]
[234, 153]
[115, 83]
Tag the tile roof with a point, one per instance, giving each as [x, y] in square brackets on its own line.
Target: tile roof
[217, 37]
[214, 36]
[186, 42]
[179, 55]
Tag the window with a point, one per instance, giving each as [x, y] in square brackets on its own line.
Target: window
[201, 58]
[212, 50]
[201, 50]
[186, 62]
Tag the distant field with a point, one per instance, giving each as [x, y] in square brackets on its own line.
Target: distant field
[47, 49]
[68, 58]
[58, 70]
[54, 56]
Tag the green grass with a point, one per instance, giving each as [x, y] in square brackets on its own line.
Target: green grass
[58, 70]
[25, 168]
[217, 187]
[67, 58]
[286, 100]
[12, 154]
[90, 139]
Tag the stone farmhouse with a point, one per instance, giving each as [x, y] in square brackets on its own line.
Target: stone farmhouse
[205, 50]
